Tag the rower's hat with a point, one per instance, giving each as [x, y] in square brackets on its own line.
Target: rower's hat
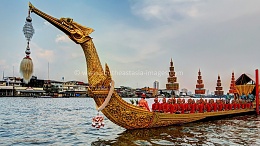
[143, 95]
[164, 99]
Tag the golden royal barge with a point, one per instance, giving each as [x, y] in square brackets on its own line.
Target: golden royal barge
[117, 110]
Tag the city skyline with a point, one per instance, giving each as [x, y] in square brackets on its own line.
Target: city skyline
[137, 39]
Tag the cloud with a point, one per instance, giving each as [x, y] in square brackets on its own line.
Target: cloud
[197, 34]
[45, 54]
[41, 57]
[2, 62]
[170, 11]
[132, 44]
[76, 55]
[62, 38]
[166, 10]
[42, 54]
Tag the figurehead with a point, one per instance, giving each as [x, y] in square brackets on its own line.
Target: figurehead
[97, 77]
[76, 32]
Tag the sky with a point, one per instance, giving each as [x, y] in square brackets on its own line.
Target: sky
[137, 39]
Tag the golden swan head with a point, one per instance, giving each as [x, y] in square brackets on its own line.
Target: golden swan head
[76, 32]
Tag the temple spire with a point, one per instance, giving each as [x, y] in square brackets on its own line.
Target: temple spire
[219, 90]
[199, 86]
[172, 79]
[232, 89]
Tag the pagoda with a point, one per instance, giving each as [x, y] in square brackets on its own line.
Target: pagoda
[232, 89]
[172, 79]
[219, 90]
[199, 86]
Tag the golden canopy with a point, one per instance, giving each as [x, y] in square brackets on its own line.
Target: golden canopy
[244, 89]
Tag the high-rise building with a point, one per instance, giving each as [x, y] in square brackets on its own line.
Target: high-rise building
[172, 79]
[156, 85]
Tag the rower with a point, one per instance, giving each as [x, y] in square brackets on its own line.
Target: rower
[164, 105]
[143, 103]
[156, 105]
[170, 107]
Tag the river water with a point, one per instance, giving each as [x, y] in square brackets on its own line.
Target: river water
[67, 121]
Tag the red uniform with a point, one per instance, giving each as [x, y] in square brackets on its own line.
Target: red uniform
[234, 106]
[175, 108]
[226, 107]
[169, 108]
[181, 108]
[188, 108]
[192, 108]
[220, 107]
[156, 107]
[214, 107]
[242, 105]
[185, 106]
[231, 106]
[143, 103]
[208, 107]
[238, 105]
[197, 107]
[201, 108]
[248, 105]
[164, 107]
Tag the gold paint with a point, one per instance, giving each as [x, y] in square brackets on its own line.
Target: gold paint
[118, 111]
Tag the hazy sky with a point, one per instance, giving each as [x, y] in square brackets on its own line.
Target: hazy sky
[137, 38]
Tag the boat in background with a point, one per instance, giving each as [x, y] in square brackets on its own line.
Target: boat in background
[43, 96]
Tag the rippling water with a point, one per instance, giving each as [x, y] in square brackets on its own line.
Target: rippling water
[67, 121]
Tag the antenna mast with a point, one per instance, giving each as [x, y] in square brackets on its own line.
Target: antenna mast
[48, 71]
